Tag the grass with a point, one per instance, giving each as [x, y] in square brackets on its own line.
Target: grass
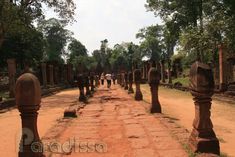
[183, 80]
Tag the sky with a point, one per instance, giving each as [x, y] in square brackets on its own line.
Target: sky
[115, 20]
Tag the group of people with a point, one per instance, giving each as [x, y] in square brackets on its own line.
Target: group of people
[109, 77]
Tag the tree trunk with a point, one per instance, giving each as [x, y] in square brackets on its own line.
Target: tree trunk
[163, 71]
[169, 72]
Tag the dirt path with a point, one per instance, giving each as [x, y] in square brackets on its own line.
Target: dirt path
[51, 110]
[179, 105]
[114, 125]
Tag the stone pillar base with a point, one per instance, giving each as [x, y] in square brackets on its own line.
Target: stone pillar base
[130, 91]
[138, 96]
[82, 98]
[204, 145]
[222, 87]
[126, 87]
[156, 108]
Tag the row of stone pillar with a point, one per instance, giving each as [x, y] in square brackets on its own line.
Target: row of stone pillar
[202, 138]
[52, 75]
[87, 82]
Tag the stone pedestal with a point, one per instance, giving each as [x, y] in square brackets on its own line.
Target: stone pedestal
[51, 74]
[81, 83]
[44, 74]
[125, 81]
[28, 99]
[153, 80]
[137, 80]
[92, 82]
[203, 138]
[11, 74]
[130, 80]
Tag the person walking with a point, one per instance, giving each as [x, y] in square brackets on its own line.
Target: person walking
[109, 79]
[102, 78]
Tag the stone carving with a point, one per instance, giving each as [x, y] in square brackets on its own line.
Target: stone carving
[87, 84]
[51, 73]
[137, 80]
[203, 138]
[81, 83]
[153, 80]
[28, 99]
[126, 81]
[92, 82]
[130, 80]
[44, 74]
[11, 73]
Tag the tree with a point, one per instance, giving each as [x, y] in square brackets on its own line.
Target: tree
[56, 39]
[151, 41]
[14, 13]
[76, 48]
[20, 46]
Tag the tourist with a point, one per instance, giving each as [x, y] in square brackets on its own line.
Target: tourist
[109, 79]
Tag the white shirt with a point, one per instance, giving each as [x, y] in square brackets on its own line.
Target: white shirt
[108, 76]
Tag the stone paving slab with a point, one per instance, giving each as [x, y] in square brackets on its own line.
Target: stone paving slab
[113, 124]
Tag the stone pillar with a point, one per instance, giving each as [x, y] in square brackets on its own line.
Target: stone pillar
[28, 99]
[203, 138]
[65, 74]
[122, 79]
[81, 83]
[51, 73]
[222, 68]
[44, 74]
[137, 80]
[56, 74]
[130, 80]
[97, 82]
[153, 80]
[92, 82]
[126, 81]
[87, 84]
[163, 71]
[11, 74]
[69, 73]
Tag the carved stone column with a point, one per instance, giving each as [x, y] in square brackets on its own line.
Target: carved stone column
[28, 99]
[11, 73]
[122, 79]
[92, 82]
[137, 80]
[51, 75]
[222, 68]
[126, 81]
[130, 80]
[163, 71]
[153, 80]
[87, 84]
[81, 83]
[203, 138]
[44, 74]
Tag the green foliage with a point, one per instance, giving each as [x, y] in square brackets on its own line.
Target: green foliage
[56, 37]
[151, 42]
[76, 48]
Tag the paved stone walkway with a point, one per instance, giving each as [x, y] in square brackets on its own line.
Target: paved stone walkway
[114, 125]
